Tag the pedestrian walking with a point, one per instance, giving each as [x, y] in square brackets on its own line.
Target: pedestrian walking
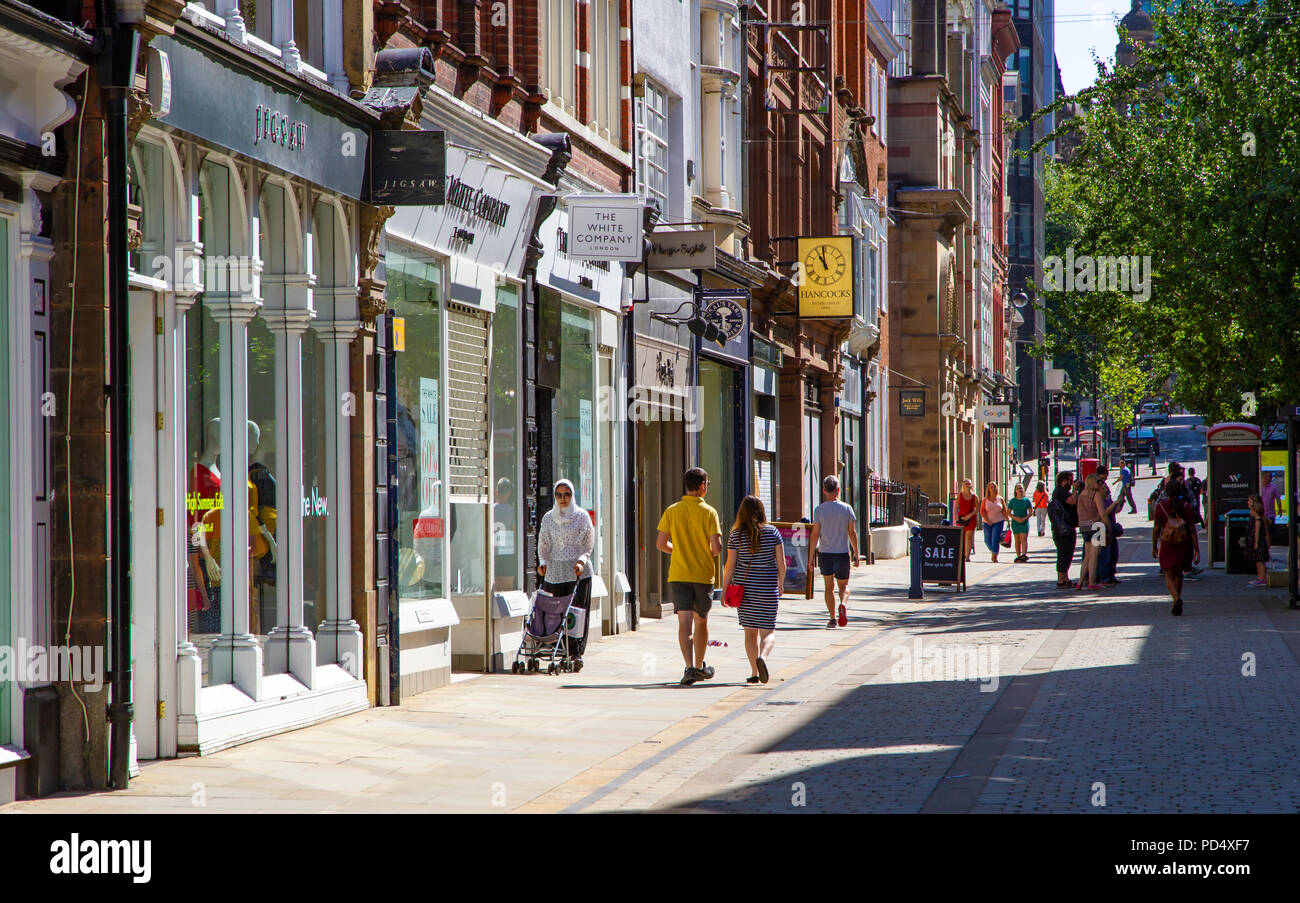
[1063, 514]
[1092, 530]
[565, 540]
[1126, 487]
[1195, 488]
[967, 513]
[993, 513]
[1019, 509]
[1171, 540]
[691, 534]
[1257, 541]
[755, 564]
[835, 535]
[1041, 498]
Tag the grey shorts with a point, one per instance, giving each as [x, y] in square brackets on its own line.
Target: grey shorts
[697, 597]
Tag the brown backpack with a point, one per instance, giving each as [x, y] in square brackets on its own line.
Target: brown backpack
[1175, 529]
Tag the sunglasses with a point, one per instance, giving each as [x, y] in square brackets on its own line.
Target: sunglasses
[563, 495]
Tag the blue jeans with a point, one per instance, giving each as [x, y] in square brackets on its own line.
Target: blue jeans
[993, 535]
[1106, 563]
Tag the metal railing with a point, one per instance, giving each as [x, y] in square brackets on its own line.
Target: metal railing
[890, 502]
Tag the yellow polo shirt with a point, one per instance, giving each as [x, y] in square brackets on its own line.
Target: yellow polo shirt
[689, 524]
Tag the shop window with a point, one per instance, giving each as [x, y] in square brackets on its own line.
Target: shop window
[205, 591]
[414, 294]
[574, 425]
[721, 438]
[6, 513]
[318, 508]
[506, 523]
[263, 494]
[468, 457]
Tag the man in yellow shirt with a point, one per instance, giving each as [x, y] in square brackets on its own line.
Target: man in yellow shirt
[690, 533]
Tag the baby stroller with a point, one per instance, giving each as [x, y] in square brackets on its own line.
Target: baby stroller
[555, 632]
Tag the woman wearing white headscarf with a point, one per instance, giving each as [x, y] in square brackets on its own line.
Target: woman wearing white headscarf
[564, 543]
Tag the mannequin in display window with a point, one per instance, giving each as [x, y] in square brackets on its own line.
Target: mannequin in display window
[262, 508]
[206, 503]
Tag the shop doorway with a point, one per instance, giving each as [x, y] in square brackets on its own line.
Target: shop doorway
[148, 591]
[660, 463]
[722, 437]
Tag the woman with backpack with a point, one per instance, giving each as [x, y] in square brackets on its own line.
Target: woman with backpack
[1173, 539]
[1040, 507]
[1061, 511]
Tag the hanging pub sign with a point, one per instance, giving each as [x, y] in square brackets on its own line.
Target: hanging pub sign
[824, 275]
[911, 402]
[689, 249]
[728, 311]
[406, 167]
[605, 227]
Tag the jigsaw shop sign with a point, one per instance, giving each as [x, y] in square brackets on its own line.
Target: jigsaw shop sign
[606, 228]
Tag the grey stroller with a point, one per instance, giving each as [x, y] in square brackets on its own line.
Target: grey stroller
[555, 632]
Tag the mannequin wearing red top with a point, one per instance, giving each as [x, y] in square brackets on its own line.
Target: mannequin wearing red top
[967, 514]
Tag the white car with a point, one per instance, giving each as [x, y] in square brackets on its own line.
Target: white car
[1152, 413]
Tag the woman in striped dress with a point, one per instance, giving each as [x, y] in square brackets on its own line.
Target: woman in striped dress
[756, 561]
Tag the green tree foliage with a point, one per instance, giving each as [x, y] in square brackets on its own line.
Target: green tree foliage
[1190, 156]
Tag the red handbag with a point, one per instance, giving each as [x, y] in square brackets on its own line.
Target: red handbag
[734, 594]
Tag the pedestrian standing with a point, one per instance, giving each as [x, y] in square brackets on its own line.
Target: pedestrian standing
[755, 563]
[993, 513]
[1092, 530]
[835, 535]
[1041, 499]
[1019, 509]
[967, 513]
[691, 534]
[1195, 486]
[1257, 541]
[1063, 513]
[1171, 540]
[1108, 555]
[1271, 496]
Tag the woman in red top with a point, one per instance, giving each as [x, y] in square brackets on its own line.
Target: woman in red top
[1040, 506]
[967, 515]
[1176, 552]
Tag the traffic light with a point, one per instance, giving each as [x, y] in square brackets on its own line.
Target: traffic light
[1055, 418]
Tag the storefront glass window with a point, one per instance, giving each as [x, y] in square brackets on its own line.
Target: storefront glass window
[317, 507]
[575, 422]
[263, 501]
[415, 296]
[5, 512]
[505, 434]
[720, 437]
[203, 375]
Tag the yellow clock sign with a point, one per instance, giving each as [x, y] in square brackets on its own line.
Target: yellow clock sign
[824, 273]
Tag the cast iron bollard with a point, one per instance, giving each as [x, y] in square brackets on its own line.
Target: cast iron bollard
[914, 592]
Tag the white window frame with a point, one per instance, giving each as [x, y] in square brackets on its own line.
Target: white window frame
[652, 109]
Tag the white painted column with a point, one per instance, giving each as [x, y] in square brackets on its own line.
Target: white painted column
[236, 28]
[290, 646]
[332, 26]
[282, 34]
[339, 637]
[236, 656]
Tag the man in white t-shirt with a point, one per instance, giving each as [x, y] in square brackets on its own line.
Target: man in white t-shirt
[835, 529]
